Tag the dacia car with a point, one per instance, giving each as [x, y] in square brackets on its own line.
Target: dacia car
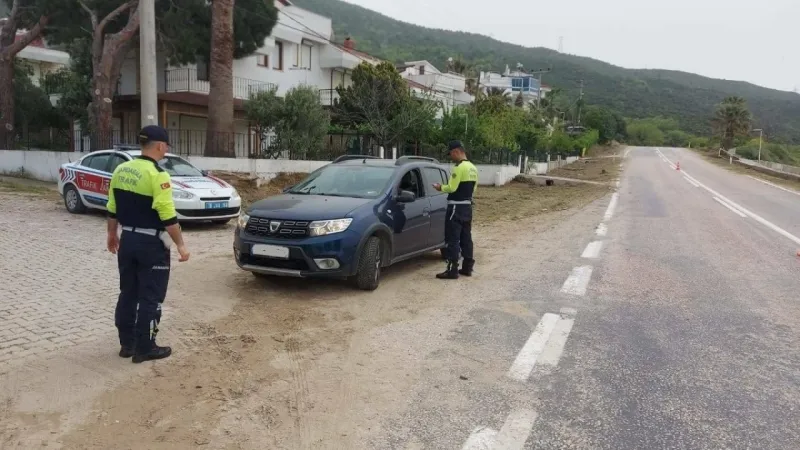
[349, 219]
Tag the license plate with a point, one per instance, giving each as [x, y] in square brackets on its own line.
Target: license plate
[270, 251]
[216, 205]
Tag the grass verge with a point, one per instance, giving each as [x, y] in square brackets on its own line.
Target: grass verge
[711, 156]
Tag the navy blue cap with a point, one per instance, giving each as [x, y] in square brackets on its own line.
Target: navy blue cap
[153, 133]
[454, 145]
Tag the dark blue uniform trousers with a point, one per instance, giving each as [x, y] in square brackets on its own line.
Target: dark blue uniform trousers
[143, 277]
[458, 233]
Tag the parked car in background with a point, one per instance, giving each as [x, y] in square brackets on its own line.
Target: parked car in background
[348, 219]
[198, 195]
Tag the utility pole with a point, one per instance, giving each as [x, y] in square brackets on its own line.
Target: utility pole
[539, 90]
[147, 62]
[760, 139]
[580, 103]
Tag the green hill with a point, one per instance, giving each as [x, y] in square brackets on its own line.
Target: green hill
[635, 93]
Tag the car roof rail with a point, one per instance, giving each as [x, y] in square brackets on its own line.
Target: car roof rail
[404, 159]
[351, 157]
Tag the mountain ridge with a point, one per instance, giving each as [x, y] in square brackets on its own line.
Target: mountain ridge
[636, 93]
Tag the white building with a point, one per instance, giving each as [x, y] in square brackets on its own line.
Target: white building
[513, 83]
[425, 79]
[41, 59]
[299, 51]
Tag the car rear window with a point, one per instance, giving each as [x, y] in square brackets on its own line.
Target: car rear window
[361, 181]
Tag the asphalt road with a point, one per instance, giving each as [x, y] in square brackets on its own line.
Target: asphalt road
[675, 325]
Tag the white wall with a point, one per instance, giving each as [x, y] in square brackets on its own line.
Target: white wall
[43, 165]
[40, 165]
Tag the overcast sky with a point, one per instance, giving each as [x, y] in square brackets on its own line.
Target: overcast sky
[755, 41]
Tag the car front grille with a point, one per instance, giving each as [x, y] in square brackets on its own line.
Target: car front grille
[287, 229]
[208, 212]
[214, 199]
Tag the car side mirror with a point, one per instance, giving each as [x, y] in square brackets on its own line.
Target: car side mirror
[205, 173]
[405, 197]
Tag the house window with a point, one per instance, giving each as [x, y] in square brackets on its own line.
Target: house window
[202, 70]
[278, 60]
[422, 70]
[262, 60]
[305, 56]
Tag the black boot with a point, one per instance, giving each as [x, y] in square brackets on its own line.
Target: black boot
[126, 352]
[451, 273]
[155, 353]
[466, 268]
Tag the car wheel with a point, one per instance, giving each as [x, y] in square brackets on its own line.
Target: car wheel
[72, 200]
[220, 221]
[368, 276]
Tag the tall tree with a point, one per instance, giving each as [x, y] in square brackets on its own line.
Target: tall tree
[380, 99]
[219, 140]
[731, 120]
[23, 15]
[183, 36]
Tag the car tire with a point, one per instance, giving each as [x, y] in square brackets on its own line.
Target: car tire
[72, 200]
[220, 221]
[368, 275]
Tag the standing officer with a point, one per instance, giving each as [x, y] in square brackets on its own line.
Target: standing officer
[140, 200]
[458, 225]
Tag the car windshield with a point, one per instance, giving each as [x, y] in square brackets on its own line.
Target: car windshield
[336, 180]
[179, 167]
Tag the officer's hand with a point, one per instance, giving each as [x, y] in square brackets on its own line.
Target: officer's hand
[112, 243]
[184, 252]
[437, 186]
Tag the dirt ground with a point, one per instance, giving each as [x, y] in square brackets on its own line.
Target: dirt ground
[600, 168]
[254, 379]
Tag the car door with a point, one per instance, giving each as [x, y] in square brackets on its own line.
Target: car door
[411, 220]
[92, 178]
[438, 204]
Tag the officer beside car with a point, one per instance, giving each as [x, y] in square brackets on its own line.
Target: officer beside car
[458, 224]
[140, 201]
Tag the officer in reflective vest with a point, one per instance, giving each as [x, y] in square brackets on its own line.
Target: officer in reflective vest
[458, 225]
[140, 201]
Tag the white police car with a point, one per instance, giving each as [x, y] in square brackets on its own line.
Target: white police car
[198, 195]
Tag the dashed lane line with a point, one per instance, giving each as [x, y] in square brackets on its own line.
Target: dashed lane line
[512, 436]
[592, 250]
[578, 281]
[602, 229]
[526, 358]
[612, 205]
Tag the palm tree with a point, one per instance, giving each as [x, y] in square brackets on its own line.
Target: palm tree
[220, 95]
[731, 120]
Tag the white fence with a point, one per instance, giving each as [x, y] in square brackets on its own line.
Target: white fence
[43, 165]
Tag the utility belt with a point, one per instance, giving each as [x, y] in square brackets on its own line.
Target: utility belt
[160, 234]
[459, 202]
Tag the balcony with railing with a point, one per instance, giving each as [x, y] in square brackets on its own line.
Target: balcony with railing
[328, 97]
[187, 80]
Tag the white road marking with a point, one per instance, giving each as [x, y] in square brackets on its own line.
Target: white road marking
[791, 191]
[691, 182]
[592, 250]
[558, 339]
[611, 206]
[602, 229]
[526, 359]
[515, 430]
[578, 281]
[617, 184]
[481, 439]
[735, 211]
[749, 213]
[627, 152]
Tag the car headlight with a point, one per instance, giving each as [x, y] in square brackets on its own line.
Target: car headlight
[178, 193]
[243, 219]
[235, 195]
[325, 227]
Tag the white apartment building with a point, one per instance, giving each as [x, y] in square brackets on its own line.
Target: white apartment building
[513, 83]
[299, 51]
[42, 60]
[425, 79]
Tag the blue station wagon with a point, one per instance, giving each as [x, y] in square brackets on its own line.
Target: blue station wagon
[348, 219]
